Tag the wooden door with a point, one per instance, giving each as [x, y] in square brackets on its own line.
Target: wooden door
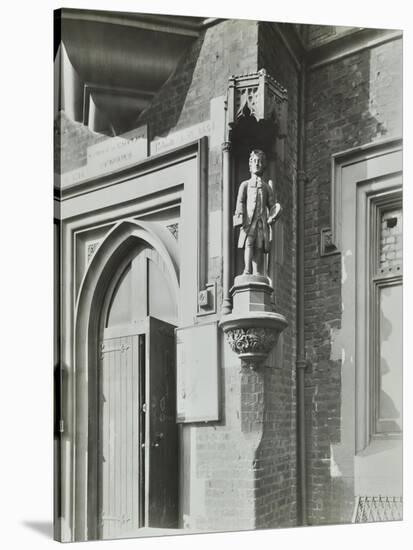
[121, 462]
[162, 505]
[138, 430]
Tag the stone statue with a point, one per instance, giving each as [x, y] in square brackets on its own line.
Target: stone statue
[255, 211]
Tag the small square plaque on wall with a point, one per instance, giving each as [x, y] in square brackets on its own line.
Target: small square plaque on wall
[197, 373]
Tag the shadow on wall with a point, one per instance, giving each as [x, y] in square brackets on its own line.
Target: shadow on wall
[165, 110]
[389, 414]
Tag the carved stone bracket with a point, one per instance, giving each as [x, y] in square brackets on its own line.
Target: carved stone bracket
[252, 337]
[252, 345]
[253, 327]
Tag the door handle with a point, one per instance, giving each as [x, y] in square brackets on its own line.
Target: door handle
[158, 438]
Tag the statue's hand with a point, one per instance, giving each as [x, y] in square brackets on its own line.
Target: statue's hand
[275, 213]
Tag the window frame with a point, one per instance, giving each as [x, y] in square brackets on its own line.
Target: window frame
[376, 282]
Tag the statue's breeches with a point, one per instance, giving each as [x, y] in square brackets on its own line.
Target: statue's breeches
[255, 235]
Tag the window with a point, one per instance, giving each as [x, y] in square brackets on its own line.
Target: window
[386, 270]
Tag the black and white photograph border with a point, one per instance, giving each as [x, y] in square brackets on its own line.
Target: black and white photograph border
[27, 408]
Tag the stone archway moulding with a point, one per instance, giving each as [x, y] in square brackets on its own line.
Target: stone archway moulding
[119, 245]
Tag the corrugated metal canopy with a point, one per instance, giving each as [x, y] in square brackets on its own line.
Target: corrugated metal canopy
[121, 60]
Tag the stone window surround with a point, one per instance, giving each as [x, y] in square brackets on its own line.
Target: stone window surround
[377, 183]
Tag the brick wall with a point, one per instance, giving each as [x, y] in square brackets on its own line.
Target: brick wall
[350, 102]
[245, 464]
[317, 35]
[277, 452]
[226, 453]
[391, 241]
[71, 140]
[185, 98]
[246, 461]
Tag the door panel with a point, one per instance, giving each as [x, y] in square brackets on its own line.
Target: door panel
[138, 430]
[163, 431]
[120, 497]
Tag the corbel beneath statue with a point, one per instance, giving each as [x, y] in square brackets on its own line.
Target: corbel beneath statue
[256, 118]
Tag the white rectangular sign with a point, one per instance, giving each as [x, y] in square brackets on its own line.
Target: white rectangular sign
[197, 373]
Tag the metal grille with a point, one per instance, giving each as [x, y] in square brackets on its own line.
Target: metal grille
[369, 509]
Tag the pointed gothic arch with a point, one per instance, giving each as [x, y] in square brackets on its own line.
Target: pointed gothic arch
[119, 246]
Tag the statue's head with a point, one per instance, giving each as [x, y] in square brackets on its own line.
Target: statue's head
[257, 161]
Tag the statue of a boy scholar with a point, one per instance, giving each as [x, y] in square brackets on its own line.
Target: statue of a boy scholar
[256, 210]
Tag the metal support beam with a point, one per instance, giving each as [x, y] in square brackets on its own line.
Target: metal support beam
[301, 363]
[227, 228]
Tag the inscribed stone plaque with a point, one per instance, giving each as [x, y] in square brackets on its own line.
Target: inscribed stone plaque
[109, 155]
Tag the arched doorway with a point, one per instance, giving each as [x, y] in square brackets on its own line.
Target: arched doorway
[126, 474]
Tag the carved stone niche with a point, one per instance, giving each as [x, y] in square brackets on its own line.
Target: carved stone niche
[256, 119]
[253, 327]
[256, 111]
